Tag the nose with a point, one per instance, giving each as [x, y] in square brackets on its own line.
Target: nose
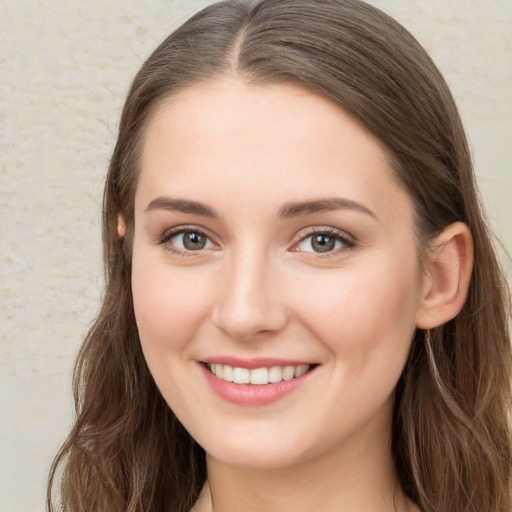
[249, 303]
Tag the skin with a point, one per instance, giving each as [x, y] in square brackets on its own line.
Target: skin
[259, 289]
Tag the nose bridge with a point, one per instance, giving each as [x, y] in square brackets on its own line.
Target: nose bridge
[248, 303]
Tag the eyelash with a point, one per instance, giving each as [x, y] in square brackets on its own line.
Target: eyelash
[347, 242]
[168, 235]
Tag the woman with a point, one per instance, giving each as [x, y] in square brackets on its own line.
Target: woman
[303, 309]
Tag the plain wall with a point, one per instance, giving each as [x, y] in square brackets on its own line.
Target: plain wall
[65, 66]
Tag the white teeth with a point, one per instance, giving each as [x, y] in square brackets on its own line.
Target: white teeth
[288, 372]
[275, 374]
[258, 376]
[241, 375]
[301, 370]
[228, 373]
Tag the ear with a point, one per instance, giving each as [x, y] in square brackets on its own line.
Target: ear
[121, 226]
[446, 280]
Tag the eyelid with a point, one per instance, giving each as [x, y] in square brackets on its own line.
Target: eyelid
[347, 240]
[167, 235]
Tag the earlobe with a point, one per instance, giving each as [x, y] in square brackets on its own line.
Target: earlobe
[121, 226]
[446, 280]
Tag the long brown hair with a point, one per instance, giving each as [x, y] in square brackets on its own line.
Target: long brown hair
[451, 435]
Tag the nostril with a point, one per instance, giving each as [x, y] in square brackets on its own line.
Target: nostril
[251, 323]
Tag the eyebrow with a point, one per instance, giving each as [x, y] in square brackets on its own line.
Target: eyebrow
[288, 210]
[295, 209]
[182, 205]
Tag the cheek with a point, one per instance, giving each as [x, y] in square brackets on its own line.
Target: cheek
[364, 310]
[169, 305]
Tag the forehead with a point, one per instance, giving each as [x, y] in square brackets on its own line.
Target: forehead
[273, 142]
[230, 106]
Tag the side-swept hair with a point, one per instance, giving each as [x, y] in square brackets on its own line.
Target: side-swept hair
[451, 435]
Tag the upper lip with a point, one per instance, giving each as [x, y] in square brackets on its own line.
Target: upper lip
[255, 362]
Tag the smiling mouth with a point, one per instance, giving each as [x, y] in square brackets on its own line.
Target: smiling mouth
[258, 376]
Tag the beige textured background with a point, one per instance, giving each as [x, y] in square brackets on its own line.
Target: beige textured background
[64, 69]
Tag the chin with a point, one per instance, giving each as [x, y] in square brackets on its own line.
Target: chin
[258, 452]
[255, 458]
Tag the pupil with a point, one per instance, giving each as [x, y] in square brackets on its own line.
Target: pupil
[194, 241]
[323, 243]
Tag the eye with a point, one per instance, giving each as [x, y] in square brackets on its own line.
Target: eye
[323, 242]
[191, 241]
[186, 240]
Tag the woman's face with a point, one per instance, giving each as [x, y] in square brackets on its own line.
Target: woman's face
[272, 239]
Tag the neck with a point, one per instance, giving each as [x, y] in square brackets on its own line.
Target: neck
[356, 476]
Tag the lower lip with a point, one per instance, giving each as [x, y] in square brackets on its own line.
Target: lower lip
[253, 394]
